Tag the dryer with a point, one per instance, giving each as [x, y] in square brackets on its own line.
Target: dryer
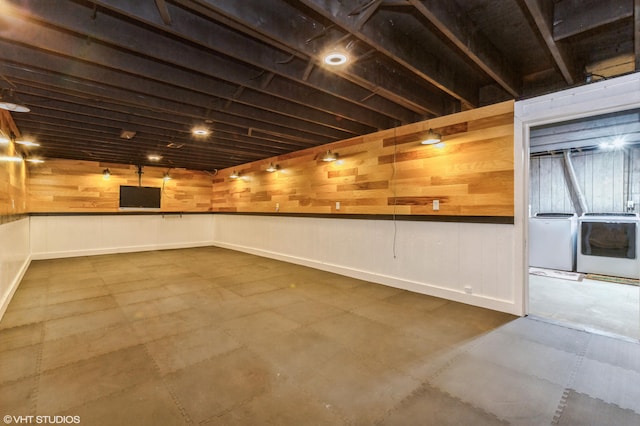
[608, 244]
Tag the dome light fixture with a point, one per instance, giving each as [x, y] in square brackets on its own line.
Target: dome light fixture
[432, 138]
[10, 102]
[106, 174]
[329, 156]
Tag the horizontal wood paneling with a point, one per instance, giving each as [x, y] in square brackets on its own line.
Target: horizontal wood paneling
[13, 175]
[388, 172]
[78, 186]
[384, 173]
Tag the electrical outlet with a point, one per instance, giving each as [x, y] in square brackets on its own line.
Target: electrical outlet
[436, 205]
[337, 205]
[468, 289]
[277, 207]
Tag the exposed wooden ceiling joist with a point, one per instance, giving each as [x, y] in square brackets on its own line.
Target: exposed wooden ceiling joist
[252, 71]
[542, 13]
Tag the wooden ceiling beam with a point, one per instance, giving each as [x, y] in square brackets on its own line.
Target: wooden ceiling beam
[542, 13]
[408, 57]
[572, 17]
[445, 16]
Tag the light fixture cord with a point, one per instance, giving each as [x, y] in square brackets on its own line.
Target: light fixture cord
[395, 191]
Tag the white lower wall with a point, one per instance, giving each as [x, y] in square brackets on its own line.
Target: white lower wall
[435, 258]
[14, 258]
[85, 235]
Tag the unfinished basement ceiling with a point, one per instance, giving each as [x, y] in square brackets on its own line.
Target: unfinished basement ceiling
[251, 71]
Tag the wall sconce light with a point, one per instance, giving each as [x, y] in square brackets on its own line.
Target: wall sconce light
[10, 102]
[432, 138]
[106, 174]
[329, 156]
[273, 168]
[166, 176]
[234, 175]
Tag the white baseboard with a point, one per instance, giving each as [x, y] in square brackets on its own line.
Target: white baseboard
[116, 250]
[401, 283]
[6, 298]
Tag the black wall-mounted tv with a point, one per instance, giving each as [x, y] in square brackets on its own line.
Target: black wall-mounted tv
[139, 197]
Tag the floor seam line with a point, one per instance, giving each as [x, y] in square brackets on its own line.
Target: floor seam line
[562, 404]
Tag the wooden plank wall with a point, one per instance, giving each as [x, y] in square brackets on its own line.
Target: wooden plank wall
[389, 172]
[13, 192]
[78, 186]
[607, 179]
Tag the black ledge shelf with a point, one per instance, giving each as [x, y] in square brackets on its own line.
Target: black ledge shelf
[501, 220]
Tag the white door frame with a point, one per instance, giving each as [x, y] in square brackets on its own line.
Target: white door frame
[602, 97]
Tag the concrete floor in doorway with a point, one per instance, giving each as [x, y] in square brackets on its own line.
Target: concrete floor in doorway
[589, 304]
[213, 336]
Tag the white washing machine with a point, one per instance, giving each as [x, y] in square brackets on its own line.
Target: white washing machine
[552, 241]
[609, 244]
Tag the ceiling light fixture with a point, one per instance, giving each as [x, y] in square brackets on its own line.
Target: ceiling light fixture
[27, 143]
[329, 156]
[106, 174]
[35, 160]
[273, 168]
[234, 175]
[166, 176]
[127, 134]
[336, 58]
[154, 157]
[200, 131]
[10, 158]
[432, 138]
[10, 102]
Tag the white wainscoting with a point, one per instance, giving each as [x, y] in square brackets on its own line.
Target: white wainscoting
[14, 258]
[466, 262]
[84, 235]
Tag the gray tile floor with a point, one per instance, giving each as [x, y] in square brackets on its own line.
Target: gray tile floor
[213, 336]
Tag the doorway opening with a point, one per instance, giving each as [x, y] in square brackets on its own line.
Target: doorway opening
[584, 222]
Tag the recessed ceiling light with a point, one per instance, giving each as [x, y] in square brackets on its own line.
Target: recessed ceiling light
[154, 157]
[335, 58]
[200, 131]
